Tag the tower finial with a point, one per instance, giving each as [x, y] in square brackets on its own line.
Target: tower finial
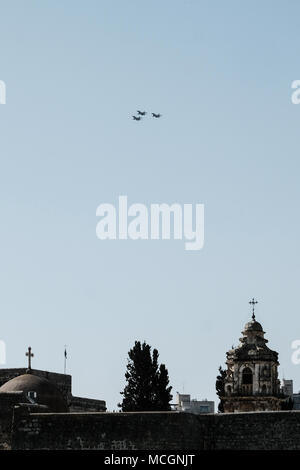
[253, 303]
[29, 354]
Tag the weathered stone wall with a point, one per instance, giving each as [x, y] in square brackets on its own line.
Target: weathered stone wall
[154, 431]
[7, 403]
[106, 431]
[277, 430]
[78, 404]
[5, 430]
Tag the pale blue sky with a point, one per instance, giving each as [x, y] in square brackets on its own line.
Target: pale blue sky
[220, 73]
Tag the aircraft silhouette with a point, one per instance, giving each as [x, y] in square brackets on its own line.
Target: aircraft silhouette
[137, 118]
[141, 113]
[156, 115]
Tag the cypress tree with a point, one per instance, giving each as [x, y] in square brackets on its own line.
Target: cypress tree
[147, 383]
[220, 388]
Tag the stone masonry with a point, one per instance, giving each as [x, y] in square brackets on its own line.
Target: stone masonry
[156, 431]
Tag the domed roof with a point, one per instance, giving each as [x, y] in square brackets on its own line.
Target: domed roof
[253, 326]
[46, 392]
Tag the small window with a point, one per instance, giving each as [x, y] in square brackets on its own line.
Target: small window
[247, 376]
[204, 409]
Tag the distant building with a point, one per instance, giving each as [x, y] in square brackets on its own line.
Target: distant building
[296, 401]
[288, 389]
[185, 404]
[41, 387]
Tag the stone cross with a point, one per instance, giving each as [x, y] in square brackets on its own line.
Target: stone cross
[29, 354]
[253, 303]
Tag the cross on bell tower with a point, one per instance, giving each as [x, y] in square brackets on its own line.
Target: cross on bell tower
[29, 354]
[253, 303]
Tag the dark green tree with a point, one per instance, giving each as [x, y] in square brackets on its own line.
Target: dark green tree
[147, 383]
[163, 394]
[220, 388]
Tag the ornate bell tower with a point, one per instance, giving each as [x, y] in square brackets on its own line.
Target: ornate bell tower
[251, 383]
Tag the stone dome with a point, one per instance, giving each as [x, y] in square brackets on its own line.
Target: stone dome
[45, 392]
[253, 326]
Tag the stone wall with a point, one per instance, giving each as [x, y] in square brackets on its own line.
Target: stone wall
[86, 405]
[277, 430]
[7, 403]
[105, 431]
[155, 431]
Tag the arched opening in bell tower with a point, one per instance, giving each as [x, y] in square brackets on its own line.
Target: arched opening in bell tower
[247, 381]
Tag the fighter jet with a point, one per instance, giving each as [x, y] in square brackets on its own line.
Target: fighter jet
[137, 118]
[141, 113]
[156, 115]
